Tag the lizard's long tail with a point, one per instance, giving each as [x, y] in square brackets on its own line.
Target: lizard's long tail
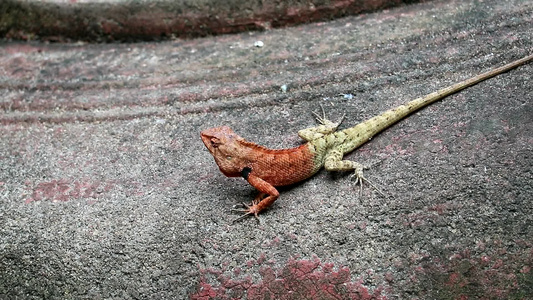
[364, 131]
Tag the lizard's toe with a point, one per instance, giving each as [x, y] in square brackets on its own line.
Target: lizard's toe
[241, 217]
[249, 210]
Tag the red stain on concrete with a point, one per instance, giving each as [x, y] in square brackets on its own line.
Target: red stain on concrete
[429, 214]
[61, 190]
[481, 272]
[298, 279]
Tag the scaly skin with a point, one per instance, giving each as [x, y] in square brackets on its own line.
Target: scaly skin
[267, 168]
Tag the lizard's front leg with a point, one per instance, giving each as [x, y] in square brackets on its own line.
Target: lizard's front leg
[260, 202]
[334, 162]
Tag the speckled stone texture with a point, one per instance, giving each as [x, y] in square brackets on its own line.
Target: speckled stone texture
[107, 192]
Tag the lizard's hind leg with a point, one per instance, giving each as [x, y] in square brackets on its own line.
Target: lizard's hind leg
[326, 127]
[334, 162]
[323, 120]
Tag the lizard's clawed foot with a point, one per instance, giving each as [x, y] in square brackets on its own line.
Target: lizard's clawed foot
[323, 120]
[359, 179]
[247, 210]
[326, 127]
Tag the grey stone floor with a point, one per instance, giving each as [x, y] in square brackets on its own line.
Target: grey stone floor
[107, 192]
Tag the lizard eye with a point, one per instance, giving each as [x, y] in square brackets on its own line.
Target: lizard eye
[215, 142]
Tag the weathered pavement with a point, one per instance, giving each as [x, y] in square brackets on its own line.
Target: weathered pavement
[108, 193]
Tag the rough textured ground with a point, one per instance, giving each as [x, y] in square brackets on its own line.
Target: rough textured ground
[108, 193]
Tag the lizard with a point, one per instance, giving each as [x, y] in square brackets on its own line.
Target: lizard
[265, 168]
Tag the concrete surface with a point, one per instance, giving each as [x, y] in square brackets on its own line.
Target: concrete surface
[107, 191]
[135, 20]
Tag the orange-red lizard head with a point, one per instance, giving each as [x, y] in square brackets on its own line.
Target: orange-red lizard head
[225, 146]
